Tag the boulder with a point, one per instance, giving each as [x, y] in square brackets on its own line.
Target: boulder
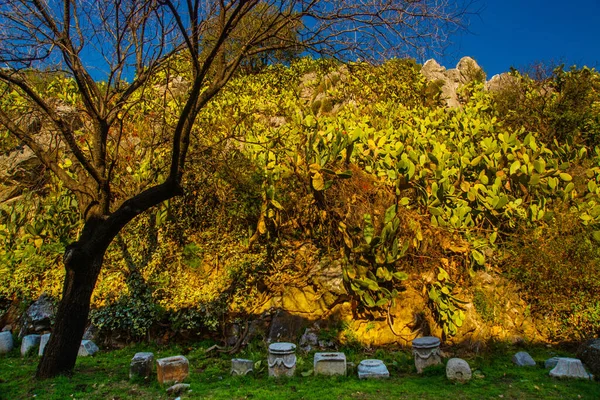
[6, 342]
[141, 365]
[87, 348]
[458, 370]
[569, 368]
[523, 359]
[29, 343]
[38, 317]
[172, 369]
[589, 354]
[43, 342]
[285, 327]
[309, 340]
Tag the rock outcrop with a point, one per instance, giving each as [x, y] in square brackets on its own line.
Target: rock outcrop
[467, 70]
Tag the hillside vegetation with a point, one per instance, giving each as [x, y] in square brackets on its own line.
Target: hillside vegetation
[356, 169]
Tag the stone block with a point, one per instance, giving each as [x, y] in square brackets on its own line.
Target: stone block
[426, 351]
[523, 359]
[43, 342]
[29, 343]
[282, 359]
[569, 368]
[458, 369]
[330, 364]
[87, 348]
[141, 365]
[172, 369]
[6, 342]
[372, 369]
[240, 366]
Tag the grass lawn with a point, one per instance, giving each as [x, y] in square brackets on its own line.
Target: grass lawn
[105, 376]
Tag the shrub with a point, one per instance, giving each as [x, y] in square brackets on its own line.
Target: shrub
[558, 268]
[563, 106]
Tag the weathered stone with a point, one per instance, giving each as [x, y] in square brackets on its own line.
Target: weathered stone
[172, 369]
[469, 70]
[432, 70]
[178, 389]
[589, 354]
[6, 342]
[7, 328]
[38, 316]
[87, 348]
[308, 340]
[426, 351]
[281, 359]
[29, 343]
[372, 369]
[569, 368]
[285, 327]
[330, 364]
[141, 365]
[43, 342]
[501, 82]
[233, 333]
[330, 276]
[466, 71]
[240, 366]
[551, 362]
[458, 369]
[523, 359]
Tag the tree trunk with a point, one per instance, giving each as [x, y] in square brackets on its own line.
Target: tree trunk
[83, 264]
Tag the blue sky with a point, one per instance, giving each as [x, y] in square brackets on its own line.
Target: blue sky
[519, 33]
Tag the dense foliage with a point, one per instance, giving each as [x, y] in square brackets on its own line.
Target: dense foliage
[362, 165]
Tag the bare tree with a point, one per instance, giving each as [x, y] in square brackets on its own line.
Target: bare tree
[112, 49]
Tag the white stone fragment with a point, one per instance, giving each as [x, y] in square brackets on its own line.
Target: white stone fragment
[87, 348]
[372, 369]
[29, 343]
[6, 342]
[330, 364]
[43, 342]
[569, 368]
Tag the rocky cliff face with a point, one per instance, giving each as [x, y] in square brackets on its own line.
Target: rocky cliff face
[467, 70]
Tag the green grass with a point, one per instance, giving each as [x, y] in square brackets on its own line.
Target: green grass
[105, 376]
